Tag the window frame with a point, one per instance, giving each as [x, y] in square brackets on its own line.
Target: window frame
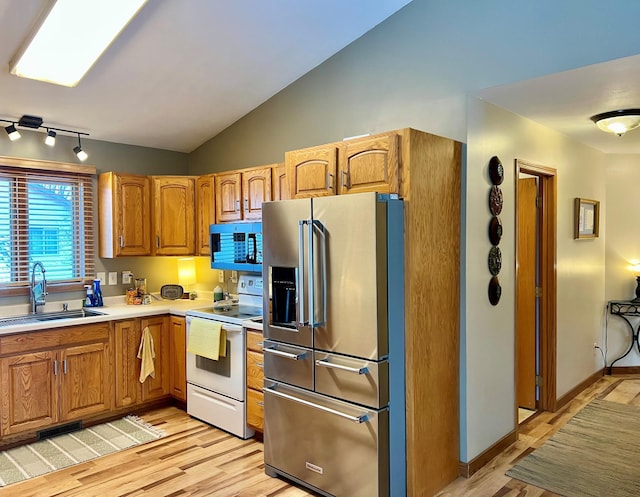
[62, 169]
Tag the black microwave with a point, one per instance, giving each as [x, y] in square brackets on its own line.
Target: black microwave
[236, 246]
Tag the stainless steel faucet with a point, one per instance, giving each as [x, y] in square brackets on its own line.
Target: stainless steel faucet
[40, 299]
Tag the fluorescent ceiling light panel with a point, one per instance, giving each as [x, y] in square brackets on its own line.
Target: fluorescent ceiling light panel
[70, 37]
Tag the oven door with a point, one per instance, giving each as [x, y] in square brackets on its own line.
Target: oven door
[226, 375]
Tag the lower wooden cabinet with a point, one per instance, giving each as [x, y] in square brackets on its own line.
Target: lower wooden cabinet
[255, 380]
[128, 334]
[177, 358]
[70, 380]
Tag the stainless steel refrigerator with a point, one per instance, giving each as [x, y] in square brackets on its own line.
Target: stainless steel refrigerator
[334, 405]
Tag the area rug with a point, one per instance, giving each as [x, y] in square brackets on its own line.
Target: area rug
[595, 454]
[51, 454]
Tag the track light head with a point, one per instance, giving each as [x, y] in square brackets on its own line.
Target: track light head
[51, 138]
[82, 155]
[12, 132]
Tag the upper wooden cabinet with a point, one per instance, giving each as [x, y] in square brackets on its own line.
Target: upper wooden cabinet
[312, 171]
[369, 165]
[280, 182]
[173, 215]
[124, 221]
[205, 212]
[239, 194]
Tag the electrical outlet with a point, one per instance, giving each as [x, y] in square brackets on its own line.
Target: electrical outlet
[221, 276]
[113, 278]
[127, 276]
[100, 276]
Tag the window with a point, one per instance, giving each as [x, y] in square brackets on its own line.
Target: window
[46, 216]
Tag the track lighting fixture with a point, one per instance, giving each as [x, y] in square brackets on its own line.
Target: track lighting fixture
[82, 155]
[13, 133]
[51, 138]
[35, 123]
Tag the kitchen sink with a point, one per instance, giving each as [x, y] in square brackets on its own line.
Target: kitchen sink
[48, 316]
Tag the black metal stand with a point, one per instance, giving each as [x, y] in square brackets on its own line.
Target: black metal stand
[626, 309]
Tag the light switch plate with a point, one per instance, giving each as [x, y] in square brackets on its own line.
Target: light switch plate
[220, 276]
[127, 276]
[100, 276]
[113, 277]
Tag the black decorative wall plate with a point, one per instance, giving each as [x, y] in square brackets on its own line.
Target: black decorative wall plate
[495, 290]
[495, 200]
[495, 230]
[495, 260]
[496, 170]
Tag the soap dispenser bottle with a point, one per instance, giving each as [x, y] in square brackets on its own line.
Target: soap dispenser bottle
[97, 293]
[88, 300]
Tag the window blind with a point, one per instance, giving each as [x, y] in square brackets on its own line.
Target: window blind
[45, 216]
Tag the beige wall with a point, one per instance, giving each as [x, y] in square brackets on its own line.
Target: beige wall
[488, 331]
[622, 248]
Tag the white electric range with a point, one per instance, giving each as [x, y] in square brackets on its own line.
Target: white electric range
[216, 390]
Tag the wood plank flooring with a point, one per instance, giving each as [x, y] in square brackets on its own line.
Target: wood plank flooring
[198, 460]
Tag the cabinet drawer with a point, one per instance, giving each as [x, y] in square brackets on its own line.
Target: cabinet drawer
[255, 370]
[50, 339]
[255, 409]
[254, 341]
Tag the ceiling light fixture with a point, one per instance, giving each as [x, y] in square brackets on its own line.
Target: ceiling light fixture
[82, 155]
[51, 137]
[618, 121]
[35, 123]
[13, 133]
[85, 30]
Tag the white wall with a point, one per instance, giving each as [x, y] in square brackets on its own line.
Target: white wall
[487, 375]
[622, 249]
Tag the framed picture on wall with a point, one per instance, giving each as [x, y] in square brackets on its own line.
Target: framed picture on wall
[586, 218]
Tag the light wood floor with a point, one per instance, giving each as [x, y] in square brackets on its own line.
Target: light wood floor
[197, 460]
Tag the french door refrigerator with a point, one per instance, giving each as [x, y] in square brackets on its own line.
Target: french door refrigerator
[334, 403]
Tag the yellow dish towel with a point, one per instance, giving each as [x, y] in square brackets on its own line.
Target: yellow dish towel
[147, 353]
[207, 338]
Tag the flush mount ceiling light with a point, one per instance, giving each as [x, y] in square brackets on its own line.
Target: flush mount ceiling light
[618, 121]
[69, 37]
[35, 123]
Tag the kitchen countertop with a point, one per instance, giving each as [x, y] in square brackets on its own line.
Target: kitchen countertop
[114, 308]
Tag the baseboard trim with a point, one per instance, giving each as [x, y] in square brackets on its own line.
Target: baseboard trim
[467, 470]
[571, 394]
[624, 370]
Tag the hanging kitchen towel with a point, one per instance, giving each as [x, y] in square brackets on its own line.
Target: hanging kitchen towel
[207, 338]
[147, 353]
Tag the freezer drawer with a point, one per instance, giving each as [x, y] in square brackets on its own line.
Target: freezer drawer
[288, 363]
[354, 380]
[334, 446]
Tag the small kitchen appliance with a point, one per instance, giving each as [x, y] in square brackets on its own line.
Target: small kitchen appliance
[334, 406]
[216, 389]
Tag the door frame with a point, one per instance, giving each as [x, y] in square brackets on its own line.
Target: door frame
[547, 190]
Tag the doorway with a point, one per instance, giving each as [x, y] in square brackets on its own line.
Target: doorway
[535, 354]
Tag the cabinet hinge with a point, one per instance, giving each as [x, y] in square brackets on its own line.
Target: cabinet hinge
[538, 292]
[538, 202]
[538, 380]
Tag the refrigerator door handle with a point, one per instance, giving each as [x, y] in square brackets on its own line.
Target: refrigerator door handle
[323, 261]
[363, 418]
[281, 353]
[325, 363]
[300, 275]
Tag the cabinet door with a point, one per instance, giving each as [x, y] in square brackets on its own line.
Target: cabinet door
[174, 215]
[158, 386]
[177, 362]
[205, 212]
[124, 215]
[312, 171]
[127, 365]
[85, 380]
[281, 190]
[256, 189]
[29, 392]
[227, 197]
[370, 165]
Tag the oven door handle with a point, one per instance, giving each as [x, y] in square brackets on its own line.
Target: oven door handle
[281, 353]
